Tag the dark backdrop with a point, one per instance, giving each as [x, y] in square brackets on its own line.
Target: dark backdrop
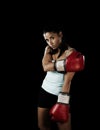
[23, 71]
[83, 83]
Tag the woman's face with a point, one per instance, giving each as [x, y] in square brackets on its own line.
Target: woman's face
[53, 39]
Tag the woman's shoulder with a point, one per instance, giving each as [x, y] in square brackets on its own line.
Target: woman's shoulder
[69, 51]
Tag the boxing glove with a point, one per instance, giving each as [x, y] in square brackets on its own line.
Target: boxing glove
[60, 111]
[73, 63]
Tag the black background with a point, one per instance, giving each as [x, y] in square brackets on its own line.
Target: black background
[23, 51]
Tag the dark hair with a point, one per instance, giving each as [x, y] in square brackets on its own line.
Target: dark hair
[53, 27]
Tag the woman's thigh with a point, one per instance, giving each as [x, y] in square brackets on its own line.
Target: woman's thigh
[44, 120]
[43, 116]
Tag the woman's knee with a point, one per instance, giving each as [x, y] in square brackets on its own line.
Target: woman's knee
[44, 125]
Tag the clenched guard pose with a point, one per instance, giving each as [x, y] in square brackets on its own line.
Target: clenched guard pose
[60, 62]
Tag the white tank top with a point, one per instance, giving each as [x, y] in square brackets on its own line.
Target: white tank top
[53, 82]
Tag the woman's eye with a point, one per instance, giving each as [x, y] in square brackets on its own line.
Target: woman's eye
[52, 38]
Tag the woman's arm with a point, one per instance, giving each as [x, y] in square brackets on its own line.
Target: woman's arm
[47, 61]
[67, 81]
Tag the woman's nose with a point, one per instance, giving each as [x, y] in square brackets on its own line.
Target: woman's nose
[50, 42]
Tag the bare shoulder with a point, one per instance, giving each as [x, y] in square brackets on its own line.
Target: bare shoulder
[69, 51]
[66, 53]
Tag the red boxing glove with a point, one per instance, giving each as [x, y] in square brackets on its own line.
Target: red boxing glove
[73, 63]
[60, 111]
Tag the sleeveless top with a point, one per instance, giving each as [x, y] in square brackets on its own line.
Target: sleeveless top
[53, 82]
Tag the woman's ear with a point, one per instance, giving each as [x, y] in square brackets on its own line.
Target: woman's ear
[60, 34]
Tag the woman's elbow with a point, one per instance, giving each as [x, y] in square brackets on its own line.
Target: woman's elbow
[48, 68]
[45, 69]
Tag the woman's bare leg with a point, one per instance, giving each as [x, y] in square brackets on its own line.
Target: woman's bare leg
[43, 119]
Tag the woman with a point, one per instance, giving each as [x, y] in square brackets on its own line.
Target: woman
[54, 96]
